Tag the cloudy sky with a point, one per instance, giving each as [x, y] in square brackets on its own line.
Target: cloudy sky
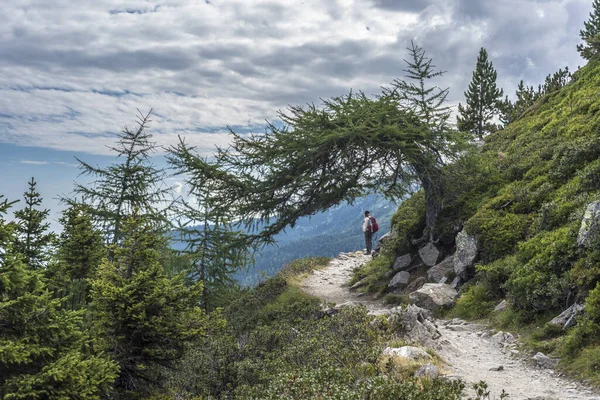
[72, 73]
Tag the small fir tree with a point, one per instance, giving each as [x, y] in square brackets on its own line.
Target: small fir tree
[42, 347]
[590, 34]
[80, 250]
[142, 318]
[32, 237]
[482, 99]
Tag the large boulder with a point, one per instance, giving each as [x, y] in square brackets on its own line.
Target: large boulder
[402, 262]
[400, 280]
[440, 271]
[430, 255]
[434, 296]
[466, 253]
[589, 224]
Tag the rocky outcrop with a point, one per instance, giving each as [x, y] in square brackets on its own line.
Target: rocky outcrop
[465, 255]
[589, 224]
[387, 237]
[402, 263]
[434, 296]
[440, 271]
[417, 325]
[429, 254]
[567, 318]
[503, 305]
[408, 352]
[400, 280]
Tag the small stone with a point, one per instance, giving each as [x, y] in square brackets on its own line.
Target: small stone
[409, 352]
[399, 280]
[402, 262]
[429, 254]
[498, 368]
[545, 361]
[503, 305]
[438, 272]
[427, 371]
[434, 296]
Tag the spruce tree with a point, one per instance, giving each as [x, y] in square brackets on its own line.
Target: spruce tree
[591, 33]
[134, 183]
[142, 318]
[482, 99]
[42, 347]
[33, 239]
[80, 250]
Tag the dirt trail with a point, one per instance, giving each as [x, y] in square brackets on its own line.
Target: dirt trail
[468, 348]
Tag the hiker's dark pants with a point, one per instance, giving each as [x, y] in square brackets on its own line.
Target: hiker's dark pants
[369, 240]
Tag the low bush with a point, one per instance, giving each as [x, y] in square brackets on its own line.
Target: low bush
[476, 302]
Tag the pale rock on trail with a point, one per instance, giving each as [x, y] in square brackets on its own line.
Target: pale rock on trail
[473, 353]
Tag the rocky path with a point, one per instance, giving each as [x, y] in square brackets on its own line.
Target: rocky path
[472, 352]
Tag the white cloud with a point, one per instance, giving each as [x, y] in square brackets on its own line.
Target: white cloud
[72, 74]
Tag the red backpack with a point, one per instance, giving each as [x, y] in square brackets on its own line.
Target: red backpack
[374, 226]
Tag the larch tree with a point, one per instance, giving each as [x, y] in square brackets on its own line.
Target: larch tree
[43, 348]
[32, 238]
[133, 184]
[322, 156]
[214, 248]
[590, 34]
[482, 99]
[142, 318]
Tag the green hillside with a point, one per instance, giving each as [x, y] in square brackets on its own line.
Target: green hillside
[523, 194]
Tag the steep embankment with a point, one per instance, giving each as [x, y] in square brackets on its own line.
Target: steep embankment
[470, 349]
[519, 223]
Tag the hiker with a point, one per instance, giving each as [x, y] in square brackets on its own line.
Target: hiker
[368, 232]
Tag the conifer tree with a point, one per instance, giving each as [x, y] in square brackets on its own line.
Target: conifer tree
[482, 98]
[42, 347]
[351, 146]
[80, 250]
[591, 33]
[118, 189]
[33, 239]
[142, 318]
[215, 250]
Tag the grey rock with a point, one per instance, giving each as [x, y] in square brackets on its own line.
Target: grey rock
[503, 337]
[427, 371]
[545, 361]
[402, 262]
[456, 283]
[400, 280]
[416, 284]
[416, 324]
[429, 254]
[589, 224]
[387, 237]
[439, 272]
[347, 304]
[434, 296]
[498, 368]
[408, 352]
[503, 305]
[567, 318]
[359, 284]
[465, 255]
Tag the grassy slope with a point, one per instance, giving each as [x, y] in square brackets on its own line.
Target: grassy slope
[523, 194]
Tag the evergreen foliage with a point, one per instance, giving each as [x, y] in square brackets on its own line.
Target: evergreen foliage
[214, 249]
[32, 237]
[322, 156]
[482, 99]
[591, 34]
[132, 184]
[142, 318]
[43, 349]
[80, 250]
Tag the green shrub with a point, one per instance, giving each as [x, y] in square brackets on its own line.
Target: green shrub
[376, 273]
[476, 302]
[493, 275]
[408, 223]
[541, 280]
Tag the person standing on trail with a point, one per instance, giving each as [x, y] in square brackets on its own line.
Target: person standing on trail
[368, 232]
